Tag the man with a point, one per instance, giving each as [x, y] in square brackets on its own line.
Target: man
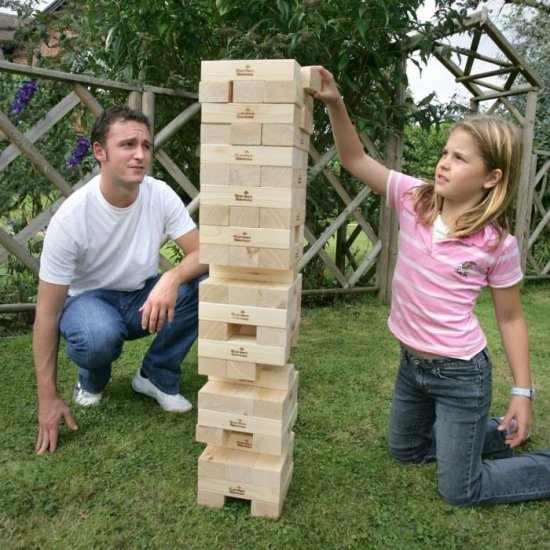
[99, 284]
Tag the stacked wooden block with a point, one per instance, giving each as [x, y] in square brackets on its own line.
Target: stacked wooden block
[256, 119]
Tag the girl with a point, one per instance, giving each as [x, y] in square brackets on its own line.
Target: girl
[454, 240]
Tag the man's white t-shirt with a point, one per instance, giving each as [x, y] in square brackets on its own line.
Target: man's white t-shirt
[90, 244]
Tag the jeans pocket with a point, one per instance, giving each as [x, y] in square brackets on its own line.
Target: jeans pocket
[460, 375]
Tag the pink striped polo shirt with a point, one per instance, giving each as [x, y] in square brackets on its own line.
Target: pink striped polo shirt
[436, 282]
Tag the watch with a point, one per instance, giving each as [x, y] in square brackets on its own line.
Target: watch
[524, 392]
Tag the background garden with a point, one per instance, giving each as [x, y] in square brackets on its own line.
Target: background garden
[127, 478]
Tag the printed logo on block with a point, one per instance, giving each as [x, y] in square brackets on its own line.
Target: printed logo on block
[237, 491]
[246, 197]
[245, 155]
[243, 237]
[240, 315]
[247, 113]
[237, 424]
[247, 70]
[241, 352]
[245, 443]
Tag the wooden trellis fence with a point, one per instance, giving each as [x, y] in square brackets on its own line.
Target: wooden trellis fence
[533, 215]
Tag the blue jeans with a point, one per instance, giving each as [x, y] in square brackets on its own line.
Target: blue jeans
[96, 324]
[440, 411]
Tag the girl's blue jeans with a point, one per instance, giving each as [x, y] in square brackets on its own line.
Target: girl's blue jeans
[96, 324]
[440, 411]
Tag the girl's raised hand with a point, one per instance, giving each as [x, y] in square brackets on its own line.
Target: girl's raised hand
[329, 92]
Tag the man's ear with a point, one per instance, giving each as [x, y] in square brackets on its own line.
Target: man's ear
[493, 178]
[99, 152]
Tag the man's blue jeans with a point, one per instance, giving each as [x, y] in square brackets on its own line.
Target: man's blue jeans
[96, 324]
[440, 411]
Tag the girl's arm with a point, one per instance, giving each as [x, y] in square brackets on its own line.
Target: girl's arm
[513, 331]
[348, 145]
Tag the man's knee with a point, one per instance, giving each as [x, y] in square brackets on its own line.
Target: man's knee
[94, 346]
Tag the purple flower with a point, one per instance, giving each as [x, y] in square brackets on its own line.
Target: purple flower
[23, 96]
[79, 152]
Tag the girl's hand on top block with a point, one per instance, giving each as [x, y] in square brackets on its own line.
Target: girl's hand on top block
[329, 93]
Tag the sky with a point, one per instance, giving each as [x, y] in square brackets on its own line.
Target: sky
[434, 77]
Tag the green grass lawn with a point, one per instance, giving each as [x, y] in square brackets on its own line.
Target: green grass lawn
[127, 478]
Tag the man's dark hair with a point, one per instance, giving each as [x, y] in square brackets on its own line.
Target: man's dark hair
[109, 116]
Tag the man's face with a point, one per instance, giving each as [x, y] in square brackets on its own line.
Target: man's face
[126, 155]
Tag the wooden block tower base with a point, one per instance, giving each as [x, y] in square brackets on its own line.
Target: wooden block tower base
[257, 118]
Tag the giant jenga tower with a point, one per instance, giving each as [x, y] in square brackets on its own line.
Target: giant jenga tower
[257, 116]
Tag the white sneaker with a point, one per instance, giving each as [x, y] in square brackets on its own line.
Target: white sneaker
[85, 398]
[172, 403]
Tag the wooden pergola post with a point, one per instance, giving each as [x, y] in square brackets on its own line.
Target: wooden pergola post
[525, 193]
[388, 231]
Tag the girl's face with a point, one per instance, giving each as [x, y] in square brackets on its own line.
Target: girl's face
[461, 176]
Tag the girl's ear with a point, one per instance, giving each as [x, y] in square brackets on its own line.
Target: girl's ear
[493, 177]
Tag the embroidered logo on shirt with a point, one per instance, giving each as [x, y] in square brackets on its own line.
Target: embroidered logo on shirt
[464, 268]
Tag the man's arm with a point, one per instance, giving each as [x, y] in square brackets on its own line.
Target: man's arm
[160, 304]
[51, 408]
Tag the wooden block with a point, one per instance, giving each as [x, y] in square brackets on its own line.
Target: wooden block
[265, 376]
[311, 79]
[249, 91]
[251, 112]
[246, 442]
[211, 214]
[281, 218]
[250, 69]
[264, 197]
[247, 236]
[275, 445]
[282, 177]
[215, 133]
[243, 349]
[216, 330]
[216, 500]
[228, 397]
[244, 467]
[263, 294]
[284, 135]
[243, 256]
[244, 216]
[236, 370]
[215, 368]
[284, 91]
[269, 499]
[270, 403]
[245, 133]
[215, 92]
[248, 315]
[214, 290]
[273, 258]
[306, 120]
[259, 508]
[213, 254]
[273, 336]
[244, 175]
[254, 274]
[254, 155]
[214, 174]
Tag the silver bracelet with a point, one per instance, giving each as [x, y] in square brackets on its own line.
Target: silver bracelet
[530, 393]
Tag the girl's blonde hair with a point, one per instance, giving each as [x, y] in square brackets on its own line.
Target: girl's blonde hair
[500, 146]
